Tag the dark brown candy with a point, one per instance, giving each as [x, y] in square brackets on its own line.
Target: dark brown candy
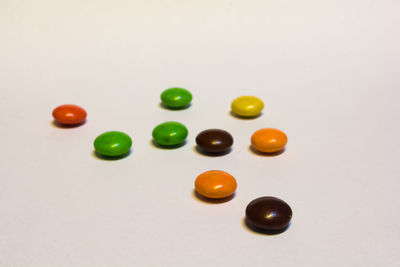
[214, 141]
[268, 213]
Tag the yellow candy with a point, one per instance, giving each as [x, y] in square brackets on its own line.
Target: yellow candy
[247, 106]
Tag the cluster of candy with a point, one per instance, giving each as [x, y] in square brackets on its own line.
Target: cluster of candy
[262, 214]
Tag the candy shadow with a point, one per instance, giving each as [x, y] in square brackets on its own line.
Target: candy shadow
[157, 145]
[110, 158]
[251, 228]
[199, 197]
[233, 114]
[65, 126]
[211, 154]
[265, 154]
[163, 106]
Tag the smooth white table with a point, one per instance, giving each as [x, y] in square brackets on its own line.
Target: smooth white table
[328, 72]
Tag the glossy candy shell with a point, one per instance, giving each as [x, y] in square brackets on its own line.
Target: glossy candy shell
[170, 133]
[269, 140]
[113, 144]
[176, 98]
[247, 106]
[215, 184]
[69, 114]
[214, 141]
[268, 213]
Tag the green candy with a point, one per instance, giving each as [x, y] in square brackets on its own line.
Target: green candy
[176, 98]
[170, 133]
[113, 144]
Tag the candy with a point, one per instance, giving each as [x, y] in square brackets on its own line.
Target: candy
[69, 115]
[214, 141]
[215, 184]
[269, 140]
[268, 213]
[176, 98]
[247, 106]
[170, 133]
[113, 144]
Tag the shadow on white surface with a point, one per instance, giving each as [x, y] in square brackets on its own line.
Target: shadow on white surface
[234, 115]
[260, 231]
[198, 150]
[200, 198]
[103, 157]
[65, 126]
[161, 105]
[264, 154]
[157, 145]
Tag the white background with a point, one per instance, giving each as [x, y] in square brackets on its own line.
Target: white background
[327, 71]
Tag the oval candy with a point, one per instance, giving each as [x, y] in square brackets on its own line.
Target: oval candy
[214, 141]
[247, 106]
[215, 184]
[268, 213]
[69, 114]
[113, 144]
[176, 98]
[269, 140]
[170, 133]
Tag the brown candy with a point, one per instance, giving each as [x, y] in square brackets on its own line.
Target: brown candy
[268, 213]
[214, 141]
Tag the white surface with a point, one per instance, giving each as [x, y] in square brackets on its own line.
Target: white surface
[328, 72]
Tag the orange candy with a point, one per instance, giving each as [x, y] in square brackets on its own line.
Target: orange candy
[69, 114]
[269, 140]
[215, 184]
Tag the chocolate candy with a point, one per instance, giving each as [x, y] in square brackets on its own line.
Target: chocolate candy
[268, 213]
[214, 141]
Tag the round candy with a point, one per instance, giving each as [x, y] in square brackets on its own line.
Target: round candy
[268, 213]
[269, 140]
[215, 184]
[247, 106]
[69, 114]
[176, 98]
[113, 144]
[214, 141]
[170, 133]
